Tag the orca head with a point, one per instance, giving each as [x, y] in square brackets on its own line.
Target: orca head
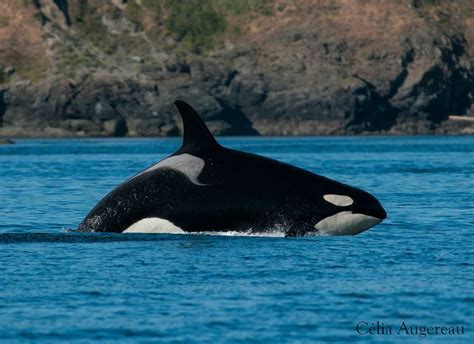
[349, 211]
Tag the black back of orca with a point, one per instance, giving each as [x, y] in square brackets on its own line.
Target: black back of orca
[205, 187]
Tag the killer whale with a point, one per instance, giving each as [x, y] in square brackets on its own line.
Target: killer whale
[205, 187]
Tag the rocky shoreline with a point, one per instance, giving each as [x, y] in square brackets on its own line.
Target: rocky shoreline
[9, 134]
[74, 69]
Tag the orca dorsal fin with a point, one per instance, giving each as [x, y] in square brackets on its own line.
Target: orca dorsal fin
[196, 135]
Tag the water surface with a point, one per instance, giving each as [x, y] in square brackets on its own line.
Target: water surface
[416, 267]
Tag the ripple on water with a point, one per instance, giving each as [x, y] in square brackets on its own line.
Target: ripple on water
[57, 286]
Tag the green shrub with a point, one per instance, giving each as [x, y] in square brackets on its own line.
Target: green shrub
[195, 22]
[237, 8]
[25, 67]
[88, 20]
[133, 11]
[423, 3]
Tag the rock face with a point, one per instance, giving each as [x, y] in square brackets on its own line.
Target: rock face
[114, 68]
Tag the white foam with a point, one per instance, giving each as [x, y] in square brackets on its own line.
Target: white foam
[161, 226]
[269, 234]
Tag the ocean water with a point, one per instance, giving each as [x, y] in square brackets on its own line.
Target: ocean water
[416, 268]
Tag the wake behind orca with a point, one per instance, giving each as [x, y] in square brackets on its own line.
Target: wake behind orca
[205, 187]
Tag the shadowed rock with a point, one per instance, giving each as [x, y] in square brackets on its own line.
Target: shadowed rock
[6, 142]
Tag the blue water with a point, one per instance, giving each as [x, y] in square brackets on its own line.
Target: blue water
[416, 267]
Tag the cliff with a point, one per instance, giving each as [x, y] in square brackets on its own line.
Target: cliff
[270, 67]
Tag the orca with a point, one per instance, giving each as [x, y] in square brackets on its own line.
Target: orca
[207, 188]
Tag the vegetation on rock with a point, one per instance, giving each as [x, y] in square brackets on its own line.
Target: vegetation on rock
[114, 67]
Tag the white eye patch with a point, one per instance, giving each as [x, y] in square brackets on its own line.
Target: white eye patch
[339, 200]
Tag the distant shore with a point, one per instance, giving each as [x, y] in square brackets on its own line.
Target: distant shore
[459, 125]
[114, 69]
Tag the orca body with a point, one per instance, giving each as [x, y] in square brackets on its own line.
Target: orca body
[205, 187]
